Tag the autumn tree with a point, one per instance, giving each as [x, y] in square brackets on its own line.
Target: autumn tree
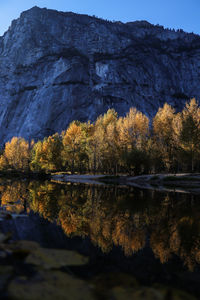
[106, 137]
[165, 135]
[52, 148]
[190, 132]
[74, 145]
[36, 157]
[17, 154]
[46, 154]
[94, 144]
[133, 130]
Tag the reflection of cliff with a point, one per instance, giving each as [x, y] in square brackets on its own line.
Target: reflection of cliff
[113, 216]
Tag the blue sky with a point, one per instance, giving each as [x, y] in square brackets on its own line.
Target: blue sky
[184, 14]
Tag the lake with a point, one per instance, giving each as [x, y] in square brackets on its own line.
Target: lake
[139, 244]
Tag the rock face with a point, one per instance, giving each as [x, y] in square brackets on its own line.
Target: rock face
[57, 67]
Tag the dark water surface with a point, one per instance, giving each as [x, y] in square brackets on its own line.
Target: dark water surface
[129, 234]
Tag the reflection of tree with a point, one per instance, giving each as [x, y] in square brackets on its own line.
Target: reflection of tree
[111, 216]
[14, 196]
[131, 239]
[44, 199]
[70, 221]
[125, 219]
[160, 244]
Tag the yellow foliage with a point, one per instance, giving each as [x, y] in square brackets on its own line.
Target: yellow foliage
[17, 153]
[133, 129]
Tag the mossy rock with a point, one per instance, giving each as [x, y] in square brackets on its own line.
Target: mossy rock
[5, 274]
[149, 293]
[50, 285]
[54, 258]
[21, 249]
[121, 293]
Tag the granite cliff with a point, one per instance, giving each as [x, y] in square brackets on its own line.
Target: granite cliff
[57, 67]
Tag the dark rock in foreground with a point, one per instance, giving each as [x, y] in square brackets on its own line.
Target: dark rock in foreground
[57, 67]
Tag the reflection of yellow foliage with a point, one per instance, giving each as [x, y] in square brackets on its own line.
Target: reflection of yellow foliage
[160, 246]
[138, 240]
[13, 196]
[128, 237]
[175, 241]
[186, 220]
[107, 229]
[69, 222]
[88, 211]
[17, 208]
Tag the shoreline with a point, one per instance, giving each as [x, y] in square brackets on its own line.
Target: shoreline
[181, 183]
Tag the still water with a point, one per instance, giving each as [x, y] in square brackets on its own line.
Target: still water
[152, 237]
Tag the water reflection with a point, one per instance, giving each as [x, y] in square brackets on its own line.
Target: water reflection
[113, 216]
[14, 196]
